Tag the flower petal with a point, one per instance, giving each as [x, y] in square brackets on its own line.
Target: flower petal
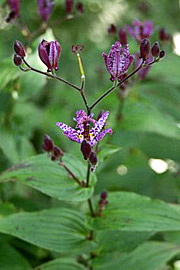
[101, 135]
[99, 124]
[70, 132]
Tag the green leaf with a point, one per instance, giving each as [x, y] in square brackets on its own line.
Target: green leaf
[9, 72]
[106, 151]
[11, 259]
[148, 256]
[131, 212]
[63, 264]
[41, 173]
[6, 209]
[148, 119]
[58, 229]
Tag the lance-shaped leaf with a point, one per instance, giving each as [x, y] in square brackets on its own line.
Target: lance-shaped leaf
[63, 264]
[131, 212]
[150, 256]
[49, 177]
[59, 229]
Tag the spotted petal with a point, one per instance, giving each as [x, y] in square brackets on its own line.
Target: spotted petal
[99, 124]
[101, 135]
[70, 132]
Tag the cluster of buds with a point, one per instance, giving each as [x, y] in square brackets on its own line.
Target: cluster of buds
[48, 146]
[121, 33]
[102, 202]
[69, 6]
[145, 49]
[19, 53]
[14, 10]
[49, 53]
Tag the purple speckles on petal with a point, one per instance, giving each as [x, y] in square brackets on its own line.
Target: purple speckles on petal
[83, 120]
[118, 60]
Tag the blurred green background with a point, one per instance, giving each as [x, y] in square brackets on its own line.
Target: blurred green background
[30, 104]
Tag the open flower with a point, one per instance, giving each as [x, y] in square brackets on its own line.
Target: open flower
[118, 60]
[83, 132]
[141, 30]
[45, 9]
[49, 53]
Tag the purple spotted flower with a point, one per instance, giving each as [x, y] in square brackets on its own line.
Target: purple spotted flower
[83, 131]
[118, 60]
[45, 9]
[15, 9]
[141, 30]
[49, 53]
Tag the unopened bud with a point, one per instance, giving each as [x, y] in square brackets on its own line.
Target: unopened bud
[58, 152]
[69, 6]
[162, 54]
[122, 37]
[155, 49]
[85, 149]
[48, 143]
[19, 48]
[112, 29]
[93, 158]
[17, 60]
[104, 195]
[80, 7]
[145, 48]
[99, 115]
[163, 35]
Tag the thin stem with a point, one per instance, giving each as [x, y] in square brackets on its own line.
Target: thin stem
[70, 173]
[91, 208]
[115, 86]
[52, 76]
[88, 174]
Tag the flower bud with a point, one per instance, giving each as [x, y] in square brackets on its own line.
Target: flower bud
[19, 48]
[93, 158]
[49, 53]
[17, 60]
[15, 10]
[58, 153]
[162, 54]
[48, 143]
[122, 37]
[69, 6]
[104, 195]
[163, 35]
[112, 29]
[85, 149]
[80, 7]
[144, 48]
[45, 9]
[155, 49]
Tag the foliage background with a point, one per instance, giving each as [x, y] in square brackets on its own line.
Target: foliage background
[30, 105]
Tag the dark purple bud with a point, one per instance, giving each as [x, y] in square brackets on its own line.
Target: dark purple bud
[53, 158]
[45, 9]
[17, 60]
[99, 115]
[162, 54]
[19, 49]
[48, 143]
[49, 53]
[155, 49]
[145, 48]
[85, 149]
[69, 6]
[112, 29]
[163, 35]
[15, 9]
[104, 195]
[80, 7]
[122, 36]
[93, 158]
[58, 152]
